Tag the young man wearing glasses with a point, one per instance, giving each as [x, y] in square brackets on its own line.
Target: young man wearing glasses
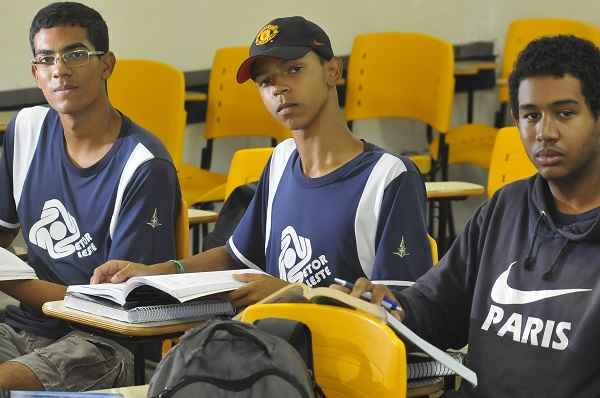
[84, 184]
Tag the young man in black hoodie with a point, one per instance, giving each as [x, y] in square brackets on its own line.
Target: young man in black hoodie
[521, 285]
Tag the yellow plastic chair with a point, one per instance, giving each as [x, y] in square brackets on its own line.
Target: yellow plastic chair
[469, 143]
[522, 31]
[473, 143]
[246, 166]
[233, 110]
[152, 94]
[509, 160]
[355, 354]
[402, 75]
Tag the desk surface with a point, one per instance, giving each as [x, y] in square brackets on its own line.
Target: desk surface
[57, 309]
[197, 216]
[472, 67]
[452, 189]
[195, 96]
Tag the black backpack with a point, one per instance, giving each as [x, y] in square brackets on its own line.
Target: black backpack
[234, 359]
[230, 215]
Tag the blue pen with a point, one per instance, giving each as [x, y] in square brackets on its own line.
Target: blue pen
[386, 303]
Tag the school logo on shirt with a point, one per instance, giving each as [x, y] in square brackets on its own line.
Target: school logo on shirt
[154, 223]
[401, 251]
[296, 263]
[57, 232]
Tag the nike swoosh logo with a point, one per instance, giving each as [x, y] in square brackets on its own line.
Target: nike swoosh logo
[504, 294]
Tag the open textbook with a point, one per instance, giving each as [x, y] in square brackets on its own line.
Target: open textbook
[149, 289]
[12, 267]
[159, 299]
[325, 295]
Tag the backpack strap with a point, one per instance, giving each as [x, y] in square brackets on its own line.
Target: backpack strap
[294, 332]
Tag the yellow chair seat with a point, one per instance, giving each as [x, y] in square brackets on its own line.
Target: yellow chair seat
[470, 143]
[200, 186]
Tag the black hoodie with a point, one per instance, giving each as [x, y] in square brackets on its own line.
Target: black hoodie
[521, 286]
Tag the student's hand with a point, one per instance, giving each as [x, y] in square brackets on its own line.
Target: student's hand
[117, 271]
[378, 292]
[258, 287]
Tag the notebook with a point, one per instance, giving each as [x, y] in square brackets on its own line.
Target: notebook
[158, 314]
[421, 366]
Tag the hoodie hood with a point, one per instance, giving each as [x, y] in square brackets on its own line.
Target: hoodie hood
[545, 228]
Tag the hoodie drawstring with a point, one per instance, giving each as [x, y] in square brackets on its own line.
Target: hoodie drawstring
[549, 272]
[529, 258]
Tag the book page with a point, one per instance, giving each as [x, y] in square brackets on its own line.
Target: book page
[12, 267]
[189, 286]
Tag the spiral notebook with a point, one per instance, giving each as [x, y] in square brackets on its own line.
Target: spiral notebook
[421, 366]
[158, 314]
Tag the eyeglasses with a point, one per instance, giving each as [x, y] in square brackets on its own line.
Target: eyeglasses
[72, 59]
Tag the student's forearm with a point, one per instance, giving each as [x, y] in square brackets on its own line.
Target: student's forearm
[217, 259]
[7, 237]
[33, 292]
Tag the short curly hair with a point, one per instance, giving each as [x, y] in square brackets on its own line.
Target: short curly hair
[71, 14]
[558, 56]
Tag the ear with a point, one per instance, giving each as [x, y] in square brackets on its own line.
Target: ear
[333, 70]
[35, 76]
[108, 62]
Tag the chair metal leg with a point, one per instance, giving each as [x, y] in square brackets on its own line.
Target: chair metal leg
[442, 226]
[195, 239]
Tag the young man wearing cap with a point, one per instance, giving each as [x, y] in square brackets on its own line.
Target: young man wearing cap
[84, 184]
[328, 204]
[520, 286]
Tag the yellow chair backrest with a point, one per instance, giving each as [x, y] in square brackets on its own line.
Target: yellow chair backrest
[509, 160]
[402, 75]
[246, 166]
[355, 355]
[182, 232]
[152, 94]
[522, 31]
[434, 250]
[236, 109]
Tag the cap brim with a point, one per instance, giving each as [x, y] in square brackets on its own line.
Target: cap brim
[245, 70]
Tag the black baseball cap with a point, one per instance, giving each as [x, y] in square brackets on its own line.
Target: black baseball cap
[286, 38]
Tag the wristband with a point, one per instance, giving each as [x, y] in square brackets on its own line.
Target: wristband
[179, 266]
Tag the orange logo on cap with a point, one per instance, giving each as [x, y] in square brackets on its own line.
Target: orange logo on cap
[266, 34]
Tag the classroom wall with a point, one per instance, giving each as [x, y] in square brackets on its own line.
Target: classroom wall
[186, 33]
